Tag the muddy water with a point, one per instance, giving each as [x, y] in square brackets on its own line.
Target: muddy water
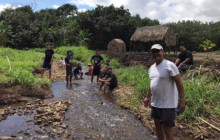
[95, 116]
[91, 115]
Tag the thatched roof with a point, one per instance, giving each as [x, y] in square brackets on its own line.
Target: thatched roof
[116, 46]
[153, 33]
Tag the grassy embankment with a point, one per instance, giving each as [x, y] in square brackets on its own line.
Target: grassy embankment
[201, 94]
[22, 64]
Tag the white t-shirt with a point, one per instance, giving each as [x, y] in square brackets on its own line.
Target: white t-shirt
[163, 88]
[62, 62]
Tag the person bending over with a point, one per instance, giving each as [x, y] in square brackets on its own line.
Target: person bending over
[109, 81]
[78, 71]
[184, 60]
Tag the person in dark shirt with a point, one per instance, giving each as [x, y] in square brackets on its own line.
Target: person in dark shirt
[96, 60]
[184, 60]
[78, 70]
[69, 67]
[109, 81]
[104, 70]
[48, 61]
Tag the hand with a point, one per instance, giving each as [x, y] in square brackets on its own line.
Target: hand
[146, 102]
[181, 106]
[179, 68]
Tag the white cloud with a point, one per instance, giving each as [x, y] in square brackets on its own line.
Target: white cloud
[165, 10]
[55, 6]
[82, 10]
[3, 7]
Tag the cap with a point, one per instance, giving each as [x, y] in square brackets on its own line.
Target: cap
[89, 64]
[157, 47]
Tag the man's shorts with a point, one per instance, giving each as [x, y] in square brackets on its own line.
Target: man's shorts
[165, 115]
[185, 67]
[69, 71]
[47, 66]
[96, 70]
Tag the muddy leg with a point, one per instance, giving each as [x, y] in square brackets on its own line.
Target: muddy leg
[71, 76]
[42, 73]
[92, 78]
[50, 74]
[81, 75]
[168, 132]
[159, 129]
[97, 79]
[106, 86]
[67, 79]
[102, 84]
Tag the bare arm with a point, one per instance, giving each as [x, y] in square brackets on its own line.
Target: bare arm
[177, 61]
[91, 61]
[186, 61]
[148, 97]
[177, 79]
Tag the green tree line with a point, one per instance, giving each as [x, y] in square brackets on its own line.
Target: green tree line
[22, 27]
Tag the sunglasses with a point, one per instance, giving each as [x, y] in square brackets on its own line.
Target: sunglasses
[155, 51]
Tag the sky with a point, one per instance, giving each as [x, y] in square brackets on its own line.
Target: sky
[162, 10]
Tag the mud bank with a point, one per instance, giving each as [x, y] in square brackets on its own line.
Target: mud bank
[15, 94]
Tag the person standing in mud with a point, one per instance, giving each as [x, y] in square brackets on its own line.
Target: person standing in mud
[165, 84]
[69, 67]
[48, 61]
[97, 61]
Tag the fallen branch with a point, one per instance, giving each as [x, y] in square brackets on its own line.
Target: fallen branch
[9, 63]
[216, 128]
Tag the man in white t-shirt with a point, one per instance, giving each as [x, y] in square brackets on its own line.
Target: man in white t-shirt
[165, 84]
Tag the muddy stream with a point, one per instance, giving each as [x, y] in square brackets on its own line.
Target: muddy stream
[90, 115]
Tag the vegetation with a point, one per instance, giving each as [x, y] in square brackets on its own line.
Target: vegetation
[66, 26]
[207, 45]
[22, 65]
[202, 95]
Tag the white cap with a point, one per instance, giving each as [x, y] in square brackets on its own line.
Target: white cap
[157, 47]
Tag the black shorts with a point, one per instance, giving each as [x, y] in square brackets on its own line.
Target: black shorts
[165, 115]
[47, 66]
[76, 72]
[69, 71]
[96, 70]
[112, 86]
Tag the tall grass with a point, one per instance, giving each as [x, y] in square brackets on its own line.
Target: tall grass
[22, 64]
[202, 95]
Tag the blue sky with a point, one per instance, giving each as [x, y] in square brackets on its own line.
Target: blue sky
[41, 4]
[162, 10]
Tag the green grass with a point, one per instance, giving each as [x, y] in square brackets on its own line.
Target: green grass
[22, 64]
[201, 94]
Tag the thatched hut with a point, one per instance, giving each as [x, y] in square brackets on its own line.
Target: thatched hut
[116, 46]
[144, 37]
